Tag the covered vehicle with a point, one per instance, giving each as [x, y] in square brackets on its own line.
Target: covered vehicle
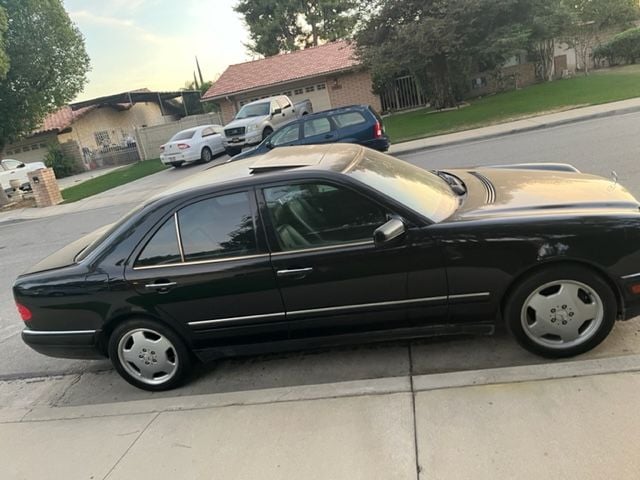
[319, 245]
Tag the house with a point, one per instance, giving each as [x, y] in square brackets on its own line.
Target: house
[329, 75]
[102, 131]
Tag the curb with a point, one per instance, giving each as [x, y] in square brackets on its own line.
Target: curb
[415, 384]
[541, 126]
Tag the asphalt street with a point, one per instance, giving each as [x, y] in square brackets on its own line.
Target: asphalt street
[595, 146]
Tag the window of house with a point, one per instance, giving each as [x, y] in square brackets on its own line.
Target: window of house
[310, 88]
[219, 227]
[163, 247]
[298, 91]
[26, 148]
[313, 215]
[479, 82]
[321, 86]
[288, 94]
[43, 145]
[347, 119]
[102, 138]
[35, 146]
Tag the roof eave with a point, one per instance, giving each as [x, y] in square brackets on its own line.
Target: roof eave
[222, 96]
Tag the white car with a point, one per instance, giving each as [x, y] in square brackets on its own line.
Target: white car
[11, 169]
[192, 145]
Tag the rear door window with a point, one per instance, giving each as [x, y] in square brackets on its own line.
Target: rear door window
[348, 119]
[317, 126]
[219, 227]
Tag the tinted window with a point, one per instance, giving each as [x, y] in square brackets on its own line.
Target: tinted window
[218, 227]
[254, 110]
[317, 126]
[347, 119]
[162, 248]
[313, 215]
[286, 135]
[187, 134]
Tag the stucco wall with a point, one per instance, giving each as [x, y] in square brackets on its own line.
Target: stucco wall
[117, 124]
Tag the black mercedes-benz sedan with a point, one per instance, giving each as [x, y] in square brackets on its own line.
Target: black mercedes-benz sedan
[318, 245]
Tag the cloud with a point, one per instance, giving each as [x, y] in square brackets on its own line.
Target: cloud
[84, 16]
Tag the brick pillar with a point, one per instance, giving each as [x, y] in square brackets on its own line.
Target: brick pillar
[45, 187]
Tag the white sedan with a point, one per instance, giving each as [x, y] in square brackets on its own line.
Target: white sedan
[192, 145]
[16, 170]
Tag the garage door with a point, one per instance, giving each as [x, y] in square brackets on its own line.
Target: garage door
[316, 92]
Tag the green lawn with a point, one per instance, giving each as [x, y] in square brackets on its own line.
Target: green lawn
[111, 180]
[600, 87]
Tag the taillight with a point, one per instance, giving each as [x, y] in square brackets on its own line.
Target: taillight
[183, 146]
[24, 312]
[377, 130]
[162, 148]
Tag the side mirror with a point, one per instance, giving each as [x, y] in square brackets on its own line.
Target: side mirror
[22, 165]
[391, 230]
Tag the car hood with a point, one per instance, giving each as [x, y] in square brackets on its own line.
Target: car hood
[502, 192]
[245, 122]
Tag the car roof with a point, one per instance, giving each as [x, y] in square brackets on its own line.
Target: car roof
[328, 157]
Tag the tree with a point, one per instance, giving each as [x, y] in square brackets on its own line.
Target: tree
[286, 25]
[440, 42]
[590, 18]
[48, 65]
[43, 65]
[549, 21]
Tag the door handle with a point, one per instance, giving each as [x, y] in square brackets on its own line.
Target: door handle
[295, 272]
[160, 286]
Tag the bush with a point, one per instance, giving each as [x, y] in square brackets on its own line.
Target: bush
[623, 48]
[62, 164]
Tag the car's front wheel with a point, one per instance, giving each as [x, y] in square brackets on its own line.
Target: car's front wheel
[561, 311]
[149, 355]
[266, 132]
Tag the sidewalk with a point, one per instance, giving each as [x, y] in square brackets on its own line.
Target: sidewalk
[519, 126]
[520, 422]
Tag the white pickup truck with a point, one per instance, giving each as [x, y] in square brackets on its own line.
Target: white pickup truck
[257, 120]
[16, 170]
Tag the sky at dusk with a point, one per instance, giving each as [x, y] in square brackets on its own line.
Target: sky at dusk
[153, 43]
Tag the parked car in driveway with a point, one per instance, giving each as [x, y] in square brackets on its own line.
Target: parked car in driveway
[257, 120]
[192, 145]
[327, 244]
[358, 124]
[11, 169]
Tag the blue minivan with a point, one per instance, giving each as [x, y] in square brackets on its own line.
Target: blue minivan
[354, 124]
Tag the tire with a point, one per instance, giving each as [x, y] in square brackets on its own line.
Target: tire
[206, 155]
[149, 355]
[266, 132]
[177, 164]
[231, 151]
[561, 311]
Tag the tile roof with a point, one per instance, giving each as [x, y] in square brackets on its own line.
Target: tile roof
[286, 67]
[61, 119]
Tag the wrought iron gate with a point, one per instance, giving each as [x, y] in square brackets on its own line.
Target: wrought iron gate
[402, 95]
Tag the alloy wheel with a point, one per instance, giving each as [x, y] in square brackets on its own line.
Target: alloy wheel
[148, 356]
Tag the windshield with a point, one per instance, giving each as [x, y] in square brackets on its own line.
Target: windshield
[416, 188]
[254, 110]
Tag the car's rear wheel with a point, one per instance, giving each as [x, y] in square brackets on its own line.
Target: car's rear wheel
[206, 155]
[266, 132]
[561, 311]
[149, 355]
